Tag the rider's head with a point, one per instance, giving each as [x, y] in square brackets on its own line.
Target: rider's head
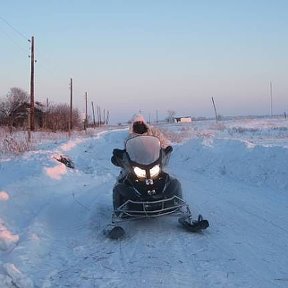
[139, 125]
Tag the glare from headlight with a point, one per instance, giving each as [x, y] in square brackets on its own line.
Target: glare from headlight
[140, 173]
[154, 171]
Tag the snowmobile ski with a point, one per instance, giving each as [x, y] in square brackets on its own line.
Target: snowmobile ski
[193, 225]
[114, 232]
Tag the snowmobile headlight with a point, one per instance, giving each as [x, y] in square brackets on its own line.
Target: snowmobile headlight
[140, 173]
[154, 171]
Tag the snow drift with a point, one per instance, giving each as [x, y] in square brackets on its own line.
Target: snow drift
[234, 173]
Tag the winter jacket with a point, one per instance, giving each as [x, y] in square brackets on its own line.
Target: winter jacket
[153, 131]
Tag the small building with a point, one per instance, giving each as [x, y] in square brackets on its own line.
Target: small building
[20, 115]
[186, 119]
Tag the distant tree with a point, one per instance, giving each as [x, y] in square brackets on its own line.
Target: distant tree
[171, 115]
[9, 107]
[57, 117]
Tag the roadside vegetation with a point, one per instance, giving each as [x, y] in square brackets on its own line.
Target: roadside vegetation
[52, 122]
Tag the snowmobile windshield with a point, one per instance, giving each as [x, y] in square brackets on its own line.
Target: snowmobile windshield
[143, 150]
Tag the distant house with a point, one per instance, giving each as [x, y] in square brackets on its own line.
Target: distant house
[186, 119]
[20, 115]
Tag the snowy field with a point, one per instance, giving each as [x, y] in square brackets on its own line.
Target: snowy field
[235, 173]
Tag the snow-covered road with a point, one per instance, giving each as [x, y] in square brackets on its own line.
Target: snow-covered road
[52, 217]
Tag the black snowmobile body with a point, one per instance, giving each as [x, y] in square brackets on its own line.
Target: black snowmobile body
[143, 189]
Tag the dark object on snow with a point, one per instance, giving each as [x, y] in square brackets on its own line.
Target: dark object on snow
[66, 161]
[194, 225]
[144, 189]
[114, 232]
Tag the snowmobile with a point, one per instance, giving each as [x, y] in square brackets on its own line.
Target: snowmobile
[143, 189]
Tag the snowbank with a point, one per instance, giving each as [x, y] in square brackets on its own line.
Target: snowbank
[4, 196]
[14, 278]
[233, 173]
[242, 161]
[8, 240]
[56, 172]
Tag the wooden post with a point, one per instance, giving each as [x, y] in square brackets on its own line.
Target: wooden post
[28, 124]
[107, 118]
[71, 107]
[99, 115]
[271, 100]
[93, 112]
[32, 110]
[86, 113]
[216, 116]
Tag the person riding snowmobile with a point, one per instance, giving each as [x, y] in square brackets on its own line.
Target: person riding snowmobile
[140, 127]
[143, 189]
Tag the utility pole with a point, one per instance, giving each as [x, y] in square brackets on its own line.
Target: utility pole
[107, 117]
[216, 116]
[71, 96]
[271, 100]
[32, 109]
[93, 112]
[86, 109]
[99, 115]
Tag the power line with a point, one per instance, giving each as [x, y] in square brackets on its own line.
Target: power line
[23, 36]
[13, 41]
[9, 35]
[13, 28]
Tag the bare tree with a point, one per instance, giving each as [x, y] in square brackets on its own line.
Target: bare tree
[12, 107]
[171, 115]
[57, 117]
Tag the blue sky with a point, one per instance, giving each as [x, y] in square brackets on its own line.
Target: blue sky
[150, 55]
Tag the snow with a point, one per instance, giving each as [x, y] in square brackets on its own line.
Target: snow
[4, 196]
[233, 172]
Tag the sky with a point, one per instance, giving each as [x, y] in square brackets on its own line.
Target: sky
[150, 56]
